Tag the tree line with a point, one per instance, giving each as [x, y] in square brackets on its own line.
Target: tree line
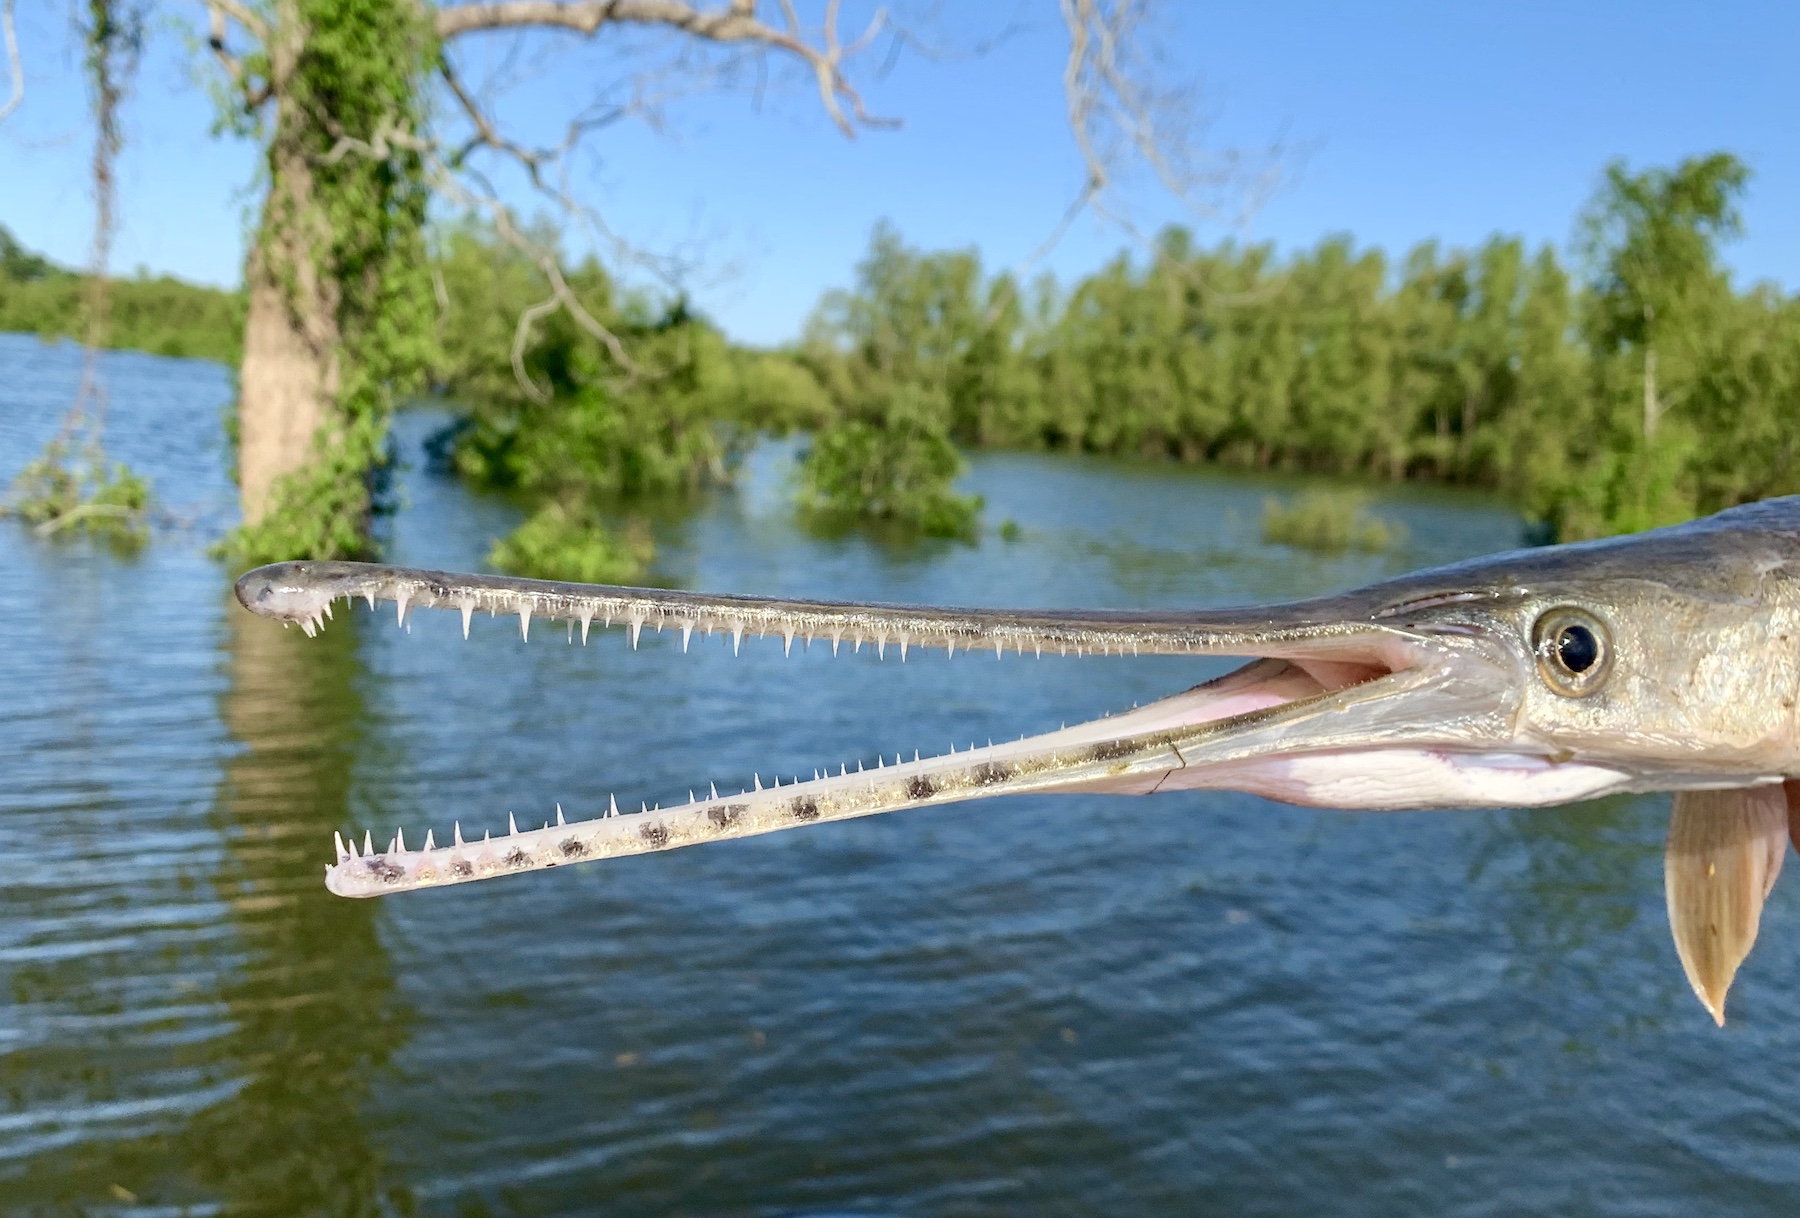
[1630, 386]
[1634, 388]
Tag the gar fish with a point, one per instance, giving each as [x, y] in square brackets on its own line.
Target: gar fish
[1663, 661]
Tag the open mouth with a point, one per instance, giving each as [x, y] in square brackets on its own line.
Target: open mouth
[1332, 709]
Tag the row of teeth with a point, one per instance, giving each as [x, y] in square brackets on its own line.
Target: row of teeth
[347, 848]
[736, 629]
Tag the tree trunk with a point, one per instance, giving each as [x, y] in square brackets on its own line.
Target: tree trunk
[289, 377]
[1652, 407]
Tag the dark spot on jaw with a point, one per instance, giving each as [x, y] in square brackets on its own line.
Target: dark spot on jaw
[1113, 750]
[516, 858]
[656, 835]
[806, 808]
[921, 787]
[990, 772]
[727, 816]
[462, 867]
[571, 848]
[386, 872]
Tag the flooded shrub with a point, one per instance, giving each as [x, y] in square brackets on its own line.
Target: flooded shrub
[573, 543]
[1328, 521]
[82, 492]
[895, 467]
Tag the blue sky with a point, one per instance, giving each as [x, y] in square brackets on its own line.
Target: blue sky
[1420, 120]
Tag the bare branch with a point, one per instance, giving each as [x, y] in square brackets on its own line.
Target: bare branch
[390, 135]
[522, 337]
[14, 65]
[244, 16]
[734, 24]
[1117, 114]
[219, 14]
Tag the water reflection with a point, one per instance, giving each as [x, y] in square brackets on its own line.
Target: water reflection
[1577, 892]
[315, 1016]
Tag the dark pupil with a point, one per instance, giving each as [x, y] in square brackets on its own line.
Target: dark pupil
[1577, 648]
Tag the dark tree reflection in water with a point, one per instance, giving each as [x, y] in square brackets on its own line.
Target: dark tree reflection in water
[312, 998]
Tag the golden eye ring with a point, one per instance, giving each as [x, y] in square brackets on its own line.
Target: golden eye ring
[1573, 649]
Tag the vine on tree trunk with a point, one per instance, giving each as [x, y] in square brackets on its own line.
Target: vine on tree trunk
[343, 236]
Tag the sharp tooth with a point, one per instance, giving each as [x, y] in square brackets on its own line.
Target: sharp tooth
[881, 648]
[999, 649]
[587, 619]
[525, 622]
[879, 763]
[306, 626]
[903, 642]
[369, 595]
[393, 845]
[456, 830]
[787, 642]
[737, 636]
[400, 840]
[637, 626]
[368, 843]
[949, 647]
[687, 632]
[512, 825]
[915, 754]
[835, 640]
[714, 788]
[400, 600]
[429, 845]
[612, 805]
[691, 798]
[857, 649]
[757, 779]
[337, 840]
[560, 822]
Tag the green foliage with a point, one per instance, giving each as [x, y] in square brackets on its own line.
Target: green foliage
[324, 509]
[893, 464]
[1646, 393]
[1329, 521]
[162, 316]
[573, 543]
[18, 264]
[72, 487]
[590, 430]
[676, 423]
[909, 358]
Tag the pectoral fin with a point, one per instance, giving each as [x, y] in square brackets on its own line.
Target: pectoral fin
[1724, 852]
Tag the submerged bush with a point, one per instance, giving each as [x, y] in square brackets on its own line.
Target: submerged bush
[1328, 521]
[573, 543]
[80, 490]
[895, 468]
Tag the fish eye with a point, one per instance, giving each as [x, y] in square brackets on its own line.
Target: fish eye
[1572, 650]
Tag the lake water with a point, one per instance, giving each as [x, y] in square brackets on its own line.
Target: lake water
[1186, 1004]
